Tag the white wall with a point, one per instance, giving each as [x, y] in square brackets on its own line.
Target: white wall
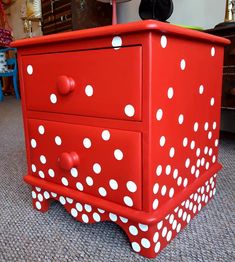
[204, 13]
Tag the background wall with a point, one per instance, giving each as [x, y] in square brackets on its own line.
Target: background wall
[204, 13]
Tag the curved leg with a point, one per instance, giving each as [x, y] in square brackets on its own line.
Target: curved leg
[40, 199]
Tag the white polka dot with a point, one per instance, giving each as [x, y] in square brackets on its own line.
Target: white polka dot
[159, 114]
[53, 194]
[212, 101]
[162, 141]
[201, 89]
[113, 184]
[169, 235]
[207, 165]
[86, 142]
[135, 246]
[213, 159]
[33, 143]
[79, 186]
[168, 170]
[51, 173]
[155, 204]
[214, 125]
[206, 126]
[180, 213]
[102, 191]
[106, 135]
[202, 161]
[128, 201]
[182, 64]
[192, 145]
[205, 150]
[117, 42]
[89, 90]
[158, 170]
[79, 207]
[164, 231]
[216, 142]
[113, 217]
[69, 200]
[155, 188]
[58, 140]
[88, 208]
[156, 237]
[74, 172]
[101, 211]
[163, 190]
[171, 192]
[131, 186]
[41, 129]
[159, 225]
[123, 219]
[185, 141]
[33, 167]
[179, 180]
[143, 227]
[175, 173]
[198, 152]
[196, 126]
[209, 135]
[172, 152]
[65, 181]
[34, 195]
[185, 183]
[181, 119]
[46, 195]
[96, 217]
[171, 219]
[157, 247]
[118, 154]
[213, 51]
[193, 169]
[43, 159]
[89, 181]
[53, 98]
[97, 168]
[163, 41]
[145, 243]
[133, 230]
[85, 218]
[197, 173]
[187, 163]
[38, 205]
[30, 69]
[178, 228]
[174, 225]
[188, 218]
[41, 174]
[170, 92]
[74, 212]
[129, 110]
[62, 200]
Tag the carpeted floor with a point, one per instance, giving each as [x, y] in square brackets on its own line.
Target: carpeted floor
[28, 235]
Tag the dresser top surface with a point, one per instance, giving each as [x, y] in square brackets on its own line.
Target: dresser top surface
[120, 29]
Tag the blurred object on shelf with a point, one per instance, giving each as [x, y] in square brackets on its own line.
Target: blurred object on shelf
[114, 4]
[33, 8]
[229, 19]
[156, 9]
[28, 25]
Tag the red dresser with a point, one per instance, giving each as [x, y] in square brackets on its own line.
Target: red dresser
[122, 124]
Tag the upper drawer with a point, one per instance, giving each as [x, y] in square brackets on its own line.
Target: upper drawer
[102, 83]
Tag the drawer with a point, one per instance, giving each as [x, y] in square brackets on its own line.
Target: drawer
[102, 83]
[102, 162]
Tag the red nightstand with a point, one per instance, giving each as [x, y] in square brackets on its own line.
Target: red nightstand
[122, 124]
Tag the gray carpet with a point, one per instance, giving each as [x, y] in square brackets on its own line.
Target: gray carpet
[28, 235]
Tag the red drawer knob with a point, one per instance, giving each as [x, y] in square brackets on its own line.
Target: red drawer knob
[68, 160]
[65, 85]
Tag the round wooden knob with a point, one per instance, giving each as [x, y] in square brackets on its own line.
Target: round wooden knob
[65, 85]
[68, 160]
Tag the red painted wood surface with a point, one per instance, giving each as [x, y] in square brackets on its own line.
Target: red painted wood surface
[122, 124]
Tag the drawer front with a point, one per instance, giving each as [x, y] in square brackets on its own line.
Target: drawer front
[98, 161]
[102, 83]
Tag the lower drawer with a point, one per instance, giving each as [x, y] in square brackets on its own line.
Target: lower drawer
[98, 161]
